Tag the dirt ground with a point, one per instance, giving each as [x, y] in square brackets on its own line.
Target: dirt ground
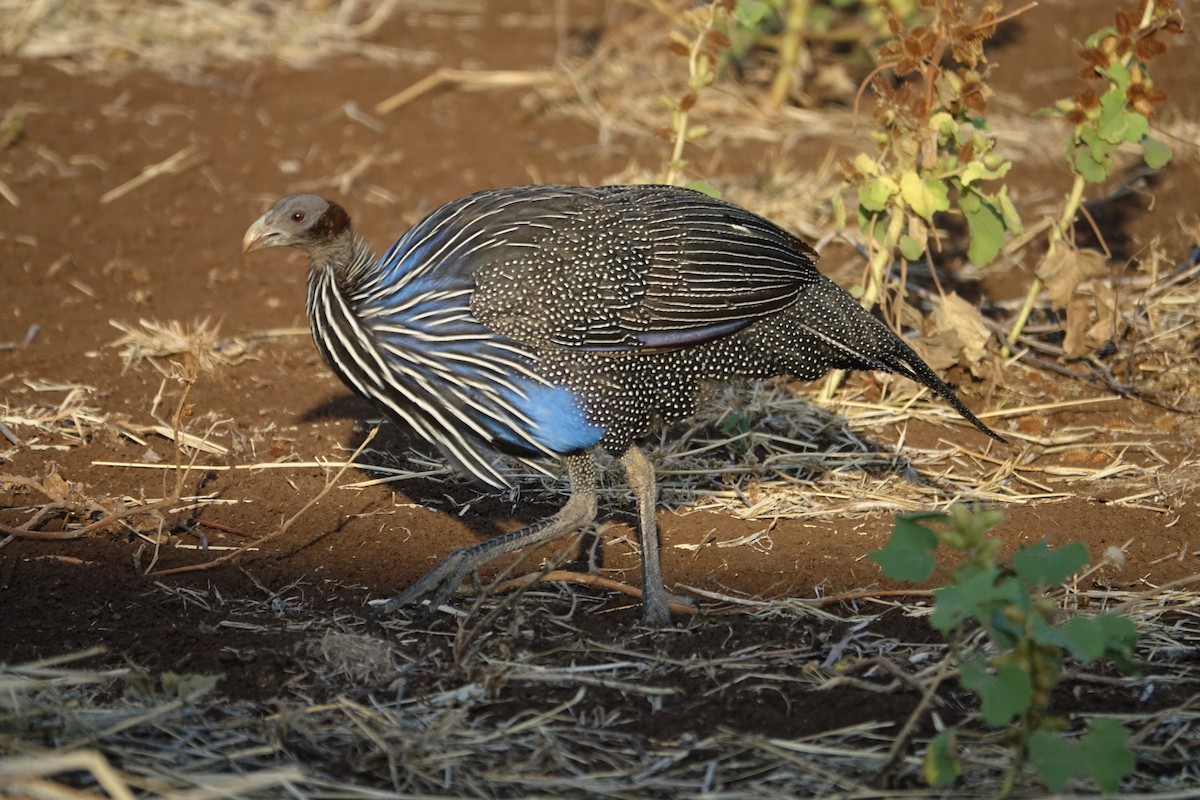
[169, 250]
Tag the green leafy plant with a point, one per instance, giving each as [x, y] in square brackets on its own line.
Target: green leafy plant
[935, 153]
[790, 27]
[1029, 644]
[700, 47]
[1112, 109]
[780, 25]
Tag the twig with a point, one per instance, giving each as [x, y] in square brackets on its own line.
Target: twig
[8, 194]
[28, 340]
[7, 433]
[183, 160]
[586, 579]
[18, 774]
[896, 754]
[329, 484]
[467, 79]
[79, 533]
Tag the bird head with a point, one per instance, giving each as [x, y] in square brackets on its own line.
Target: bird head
[319, 227]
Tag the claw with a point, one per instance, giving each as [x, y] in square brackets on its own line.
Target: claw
[656, 606]
[441, 581]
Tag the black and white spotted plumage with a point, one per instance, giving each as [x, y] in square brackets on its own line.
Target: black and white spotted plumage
[545, 321]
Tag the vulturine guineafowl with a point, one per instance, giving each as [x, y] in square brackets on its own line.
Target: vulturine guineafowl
[556, 321]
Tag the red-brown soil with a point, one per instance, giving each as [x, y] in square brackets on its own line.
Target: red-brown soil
[169, 250]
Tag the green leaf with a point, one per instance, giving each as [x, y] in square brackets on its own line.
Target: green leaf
[873, 224]
[1005, 695]
[1008, 212]
[866, 165]
[1090, 638]
[1041, 566]
[1114, 117]
[976, 170]
[1105, 753]
[875, 193]
[911, 247]
[951, 607]
[908, 554]
[942, 766]
[991, 600]
[1042, 632]
[943, 123]
[1055, 760]
[1006, 618]
[967, 598]
[1099, 36]
[703, 187]
[1155, 153]
[1083, 638]
[1118, 73]
[986, 225]
[1097, 145]
[1136, 127]
[925, 197]
[1090, 168]
[751, 13]
[1120, 639]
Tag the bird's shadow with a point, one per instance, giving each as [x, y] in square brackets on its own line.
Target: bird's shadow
[486, 512]
[781, 446]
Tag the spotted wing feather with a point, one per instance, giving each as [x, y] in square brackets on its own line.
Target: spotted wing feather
[631, 268]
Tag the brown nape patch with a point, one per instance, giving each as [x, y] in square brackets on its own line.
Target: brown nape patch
[332, 224]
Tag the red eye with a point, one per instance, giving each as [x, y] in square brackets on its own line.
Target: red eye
[297, 216]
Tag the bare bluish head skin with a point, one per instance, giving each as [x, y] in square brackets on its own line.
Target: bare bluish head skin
[317, 226]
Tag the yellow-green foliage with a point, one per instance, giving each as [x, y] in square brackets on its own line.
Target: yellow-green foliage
[935, 153]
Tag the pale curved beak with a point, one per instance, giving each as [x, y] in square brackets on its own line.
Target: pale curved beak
[258, 236]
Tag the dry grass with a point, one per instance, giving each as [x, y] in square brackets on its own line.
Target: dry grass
[536, 705]
[55, 417]
[155, 341]
[619, 88]
[774, 451]
[518, 699]
[795, 459]
[187, 36]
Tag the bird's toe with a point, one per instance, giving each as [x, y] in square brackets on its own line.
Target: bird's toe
[657, 605]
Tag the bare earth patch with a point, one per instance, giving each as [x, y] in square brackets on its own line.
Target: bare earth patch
[195, 516]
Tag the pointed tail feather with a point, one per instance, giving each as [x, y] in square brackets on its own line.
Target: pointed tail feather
[906, 362]
[901, 360]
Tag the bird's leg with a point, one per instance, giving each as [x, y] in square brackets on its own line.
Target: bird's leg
[443, 579]
[655, 597]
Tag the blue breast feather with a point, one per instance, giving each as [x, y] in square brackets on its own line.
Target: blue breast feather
[419, 310]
